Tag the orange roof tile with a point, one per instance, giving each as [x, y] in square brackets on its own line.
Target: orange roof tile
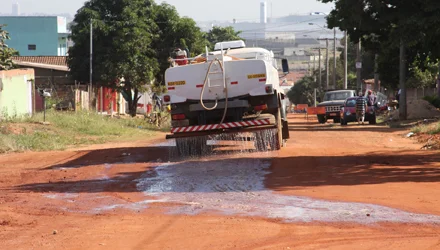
[49, 60]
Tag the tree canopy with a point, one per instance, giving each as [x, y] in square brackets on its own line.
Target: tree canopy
[122, 39]
[221, 34]
[6, 53]
[302, 91]
[173, 32]
[382, 25]
[132, 40]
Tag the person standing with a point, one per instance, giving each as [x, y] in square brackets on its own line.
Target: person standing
[361, 108]
[371, 98]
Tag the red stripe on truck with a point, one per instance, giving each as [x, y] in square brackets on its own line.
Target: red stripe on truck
[219, 126]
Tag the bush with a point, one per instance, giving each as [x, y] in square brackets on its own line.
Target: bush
[434, 100]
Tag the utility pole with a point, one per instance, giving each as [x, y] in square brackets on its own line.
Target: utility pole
[345, 61]
[91, 65]
[308, 68]
[358, 66]
[438, 81]
[314, 62]
[327, 80]
[376, 74]
[320, 70]
[314, 96]
[334, 59]
[402, 76]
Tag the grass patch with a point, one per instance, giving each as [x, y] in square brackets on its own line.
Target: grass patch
[69, 129]
[430, 129]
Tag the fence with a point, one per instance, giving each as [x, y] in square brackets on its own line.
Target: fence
[81, 100]
[64, 96]
[418, 94]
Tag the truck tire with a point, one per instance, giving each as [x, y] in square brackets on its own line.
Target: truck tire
[192, 146]
[260, 142]
[321, 119]
[277, 141]
[182, 147]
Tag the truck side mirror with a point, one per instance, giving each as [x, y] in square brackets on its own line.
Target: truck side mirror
[285, 65]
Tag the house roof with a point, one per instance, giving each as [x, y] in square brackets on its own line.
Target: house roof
[46, 62]
[51, 60]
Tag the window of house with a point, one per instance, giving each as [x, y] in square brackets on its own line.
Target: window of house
[32, 47]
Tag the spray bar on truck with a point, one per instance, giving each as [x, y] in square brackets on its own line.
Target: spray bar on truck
[212, 129]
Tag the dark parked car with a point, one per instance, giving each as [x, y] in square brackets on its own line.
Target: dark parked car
[348, 112]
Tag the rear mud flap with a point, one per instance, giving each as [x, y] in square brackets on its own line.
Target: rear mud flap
[285, 129]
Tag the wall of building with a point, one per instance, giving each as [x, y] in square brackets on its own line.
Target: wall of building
[62, 46]
[41, 31]
[16, 92]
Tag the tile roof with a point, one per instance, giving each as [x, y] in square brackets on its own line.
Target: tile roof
[49, 60]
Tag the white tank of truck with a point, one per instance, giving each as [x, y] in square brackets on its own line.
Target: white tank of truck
[232, 89]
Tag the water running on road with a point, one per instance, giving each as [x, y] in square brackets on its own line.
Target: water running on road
[236, 186]
[231, 183]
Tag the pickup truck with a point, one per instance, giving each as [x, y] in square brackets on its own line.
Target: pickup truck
[333, 101]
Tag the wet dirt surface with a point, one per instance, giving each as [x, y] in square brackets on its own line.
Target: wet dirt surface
[357, 187]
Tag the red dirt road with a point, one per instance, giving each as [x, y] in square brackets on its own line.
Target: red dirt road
[358, 187]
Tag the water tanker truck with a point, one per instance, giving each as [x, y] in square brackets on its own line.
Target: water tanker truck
[231, 90]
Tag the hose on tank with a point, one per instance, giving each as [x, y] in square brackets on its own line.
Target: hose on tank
[216, 100]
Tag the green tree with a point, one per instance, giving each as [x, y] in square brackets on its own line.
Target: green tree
[122, 39]
[424, 73]
[303, 91]
[219, 34]
[383, 25]
[174, 32]
[6, 53]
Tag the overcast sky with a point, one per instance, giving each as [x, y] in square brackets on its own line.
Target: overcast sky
[200, 10]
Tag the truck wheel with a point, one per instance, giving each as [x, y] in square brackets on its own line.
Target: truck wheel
[260, 142]
[200, 146]
[183, 147]
[321, 119]
[192, 146]
[277, 141]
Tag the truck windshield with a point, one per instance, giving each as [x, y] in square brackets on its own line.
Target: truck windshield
[337, 96]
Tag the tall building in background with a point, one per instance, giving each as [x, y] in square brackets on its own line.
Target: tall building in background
[263, 12]
[15, 9]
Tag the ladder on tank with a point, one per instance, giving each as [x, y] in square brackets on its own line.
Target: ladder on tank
[220, 69]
